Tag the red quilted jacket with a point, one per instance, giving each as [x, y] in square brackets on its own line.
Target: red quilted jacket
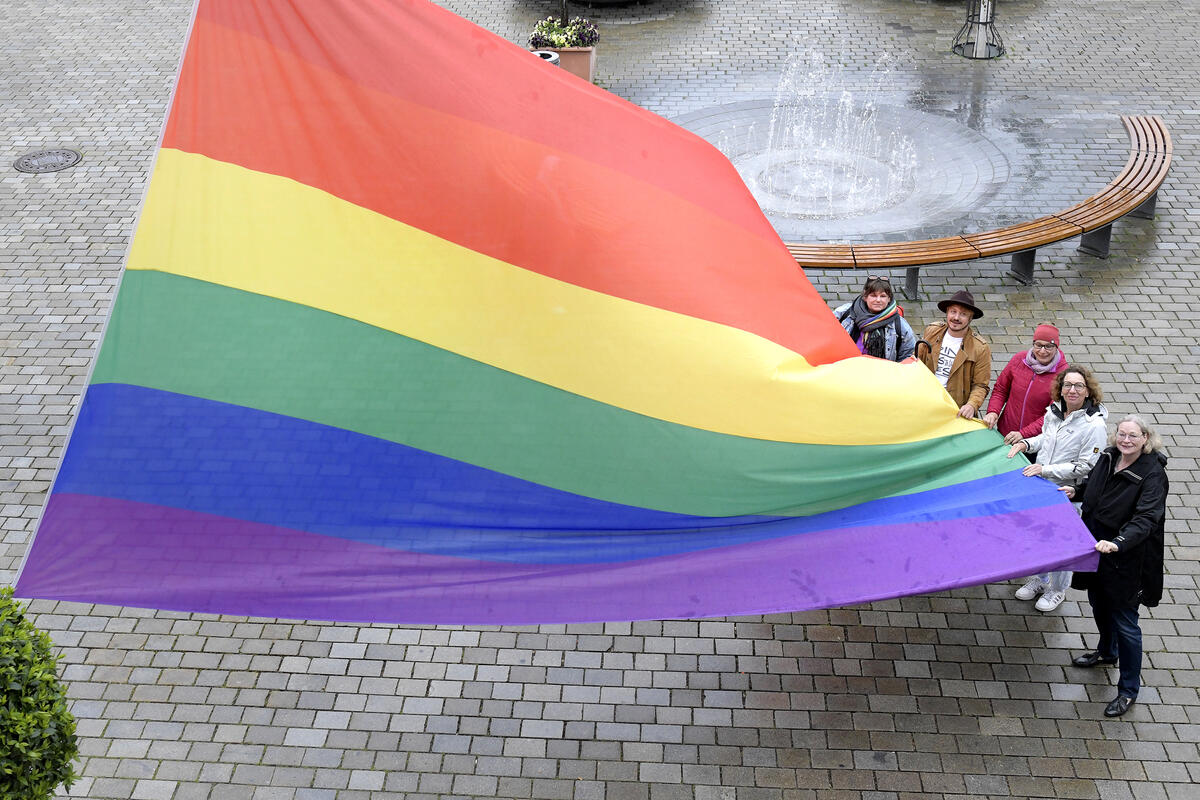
[1023, 395]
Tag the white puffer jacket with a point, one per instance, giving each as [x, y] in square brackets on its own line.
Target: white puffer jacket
[1068, 447]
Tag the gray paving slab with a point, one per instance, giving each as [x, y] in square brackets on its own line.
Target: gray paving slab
[965, 693]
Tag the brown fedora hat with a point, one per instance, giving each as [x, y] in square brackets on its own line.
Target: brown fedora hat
[961, 298]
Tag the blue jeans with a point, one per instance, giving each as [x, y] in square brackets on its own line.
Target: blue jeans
[1120, 638]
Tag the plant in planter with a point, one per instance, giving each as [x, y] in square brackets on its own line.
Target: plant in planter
[37, 732]
[574, 41]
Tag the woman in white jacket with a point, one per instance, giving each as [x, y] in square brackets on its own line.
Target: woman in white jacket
[1074, 432]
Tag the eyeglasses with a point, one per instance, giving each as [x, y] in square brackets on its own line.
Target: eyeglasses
[1120, 435]
[1076, 387]
[1044, 345]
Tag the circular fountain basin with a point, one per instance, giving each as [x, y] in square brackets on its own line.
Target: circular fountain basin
[823, 183]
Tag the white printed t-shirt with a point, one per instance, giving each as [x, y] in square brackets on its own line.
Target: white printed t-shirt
[950, 348]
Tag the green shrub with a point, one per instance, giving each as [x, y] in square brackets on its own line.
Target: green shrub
[37, 732]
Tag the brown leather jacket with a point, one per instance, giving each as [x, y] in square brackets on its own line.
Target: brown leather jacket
[972, 368]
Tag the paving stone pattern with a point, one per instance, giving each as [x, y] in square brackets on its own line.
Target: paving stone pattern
[966, 693]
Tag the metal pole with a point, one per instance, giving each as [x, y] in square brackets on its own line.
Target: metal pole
[985, 18]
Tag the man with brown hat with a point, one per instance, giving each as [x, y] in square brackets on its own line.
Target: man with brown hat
[961, 358]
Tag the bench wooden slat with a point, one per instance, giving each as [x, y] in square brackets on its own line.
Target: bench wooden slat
[1147, 138]
[1103, 197]
[1152, 136]
[822, 255]
[1148, 180]
[1144, 177]
[917, 253]
[1046, 230]
[950, 245]
[1139, 171]
[1135, 154]
[1112, 207]
[1152, 140]
[1165, 135]
[1140, 138]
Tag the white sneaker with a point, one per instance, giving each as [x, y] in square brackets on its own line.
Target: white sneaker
[1050, 601]
[1032, 588]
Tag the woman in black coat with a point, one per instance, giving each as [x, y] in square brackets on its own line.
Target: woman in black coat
[1124, 506]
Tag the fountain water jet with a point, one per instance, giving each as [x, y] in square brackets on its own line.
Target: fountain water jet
[852, 157]
[826, 154]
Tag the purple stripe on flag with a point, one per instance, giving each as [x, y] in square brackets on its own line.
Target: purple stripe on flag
[113, 551]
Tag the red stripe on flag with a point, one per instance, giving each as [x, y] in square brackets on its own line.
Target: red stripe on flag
[416, 51]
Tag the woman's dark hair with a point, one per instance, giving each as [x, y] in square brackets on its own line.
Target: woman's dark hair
[877, 283]
[1093, 385]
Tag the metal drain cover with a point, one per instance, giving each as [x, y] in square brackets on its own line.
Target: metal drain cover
[47, 160]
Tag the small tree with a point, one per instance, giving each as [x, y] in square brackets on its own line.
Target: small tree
[37, 732]
[563, 16]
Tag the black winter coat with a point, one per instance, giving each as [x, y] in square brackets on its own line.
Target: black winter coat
[1128, 508]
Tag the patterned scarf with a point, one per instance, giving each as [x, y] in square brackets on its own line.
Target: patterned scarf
[1039, 368]
[868, 326]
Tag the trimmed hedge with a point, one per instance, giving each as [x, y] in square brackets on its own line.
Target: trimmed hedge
[37, 732]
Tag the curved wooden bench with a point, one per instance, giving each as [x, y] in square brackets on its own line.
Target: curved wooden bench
[1132, 192]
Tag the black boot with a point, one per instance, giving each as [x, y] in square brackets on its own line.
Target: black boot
[1092, 659]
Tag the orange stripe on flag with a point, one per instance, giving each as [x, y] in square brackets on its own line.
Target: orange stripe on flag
[244, 102]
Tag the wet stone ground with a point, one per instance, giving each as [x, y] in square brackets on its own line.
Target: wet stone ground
[966, 693]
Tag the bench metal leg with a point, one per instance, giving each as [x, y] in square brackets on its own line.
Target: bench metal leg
[1146, 209]
[911, 276]
[1095, 243]
[1022, 266]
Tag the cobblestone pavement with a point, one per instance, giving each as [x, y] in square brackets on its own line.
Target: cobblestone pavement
[966, 693]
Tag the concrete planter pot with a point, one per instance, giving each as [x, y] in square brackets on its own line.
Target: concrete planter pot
[579, 61]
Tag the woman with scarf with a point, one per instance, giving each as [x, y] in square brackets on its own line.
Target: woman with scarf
[1022, 392]
[875, 322]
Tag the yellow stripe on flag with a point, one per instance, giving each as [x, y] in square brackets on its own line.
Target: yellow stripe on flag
[261, 233]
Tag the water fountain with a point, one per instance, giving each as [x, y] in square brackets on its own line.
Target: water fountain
[828, 158]
[826, 155]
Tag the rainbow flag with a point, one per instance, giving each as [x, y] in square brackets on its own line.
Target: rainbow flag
[418, 328]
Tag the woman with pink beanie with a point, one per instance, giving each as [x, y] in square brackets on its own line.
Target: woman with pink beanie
[1022, 392]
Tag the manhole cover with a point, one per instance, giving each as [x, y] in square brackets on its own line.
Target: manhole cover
[47, 161]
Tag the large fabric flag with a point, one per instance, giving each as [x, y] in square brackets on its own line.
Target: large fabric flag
[418, 328]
